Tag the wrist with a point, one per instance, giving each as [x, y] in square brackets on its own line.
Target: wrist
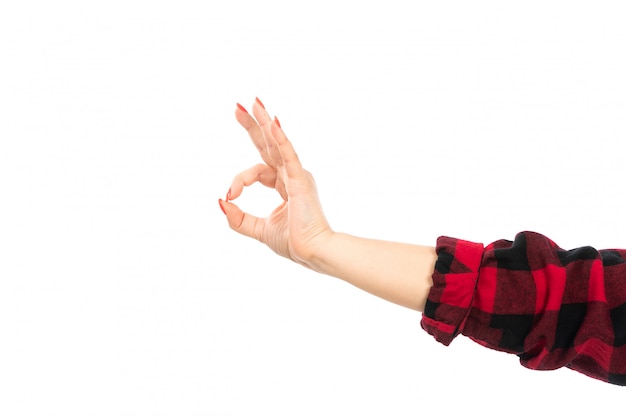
[334, 255]
[318, 259]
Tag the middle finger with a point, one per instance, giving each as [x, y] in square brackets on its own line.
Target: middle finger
[265, 122]
[254, 131]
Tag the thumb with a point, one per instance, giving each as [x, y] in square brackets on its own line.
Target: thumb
[244, 223]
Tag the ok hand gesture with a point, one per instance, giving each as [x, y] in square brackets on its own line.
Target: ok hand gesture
[297, 228]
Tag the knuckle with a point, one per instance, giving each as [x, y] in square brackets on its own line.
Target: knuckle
[257, 230]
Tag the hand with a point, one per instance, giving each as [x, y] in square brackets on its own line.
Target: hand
[297, 228]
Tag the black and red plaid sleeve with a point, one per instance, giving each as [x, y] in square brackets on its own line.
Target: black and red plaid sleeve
[551, 307]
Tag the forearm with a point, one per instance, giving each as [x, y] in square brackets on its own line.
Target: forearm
[397, 272]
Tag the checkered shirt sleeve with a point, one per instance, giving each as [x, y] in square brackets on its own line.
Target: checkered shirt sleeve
[551, 307]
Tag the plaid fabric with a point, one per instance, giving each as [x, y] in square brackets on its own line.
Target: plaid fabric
[551, 307]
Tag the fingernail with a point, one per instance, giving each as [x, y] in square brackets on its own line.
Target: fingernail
[242, 108]
[277, 122]
[228, 195]
[259, 101]
[222, 206]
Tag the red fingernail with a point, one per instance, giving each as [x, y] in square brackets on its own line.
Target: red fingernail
[228, 195]
[277, 122]
[221, 205]
[259, 101]
[242, 108]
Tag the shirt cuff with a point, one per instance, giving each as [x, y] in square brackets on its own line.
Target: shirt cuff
[454, 282]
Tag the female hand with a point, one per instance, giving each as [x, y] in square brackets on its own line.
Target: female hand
[297, 228]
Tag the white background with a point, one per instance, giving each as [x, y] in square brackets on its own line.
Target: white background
[124, 293]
